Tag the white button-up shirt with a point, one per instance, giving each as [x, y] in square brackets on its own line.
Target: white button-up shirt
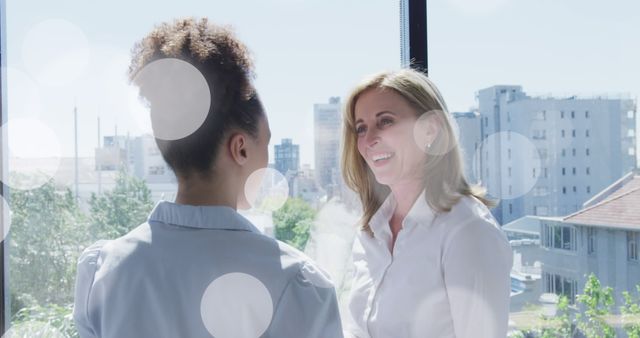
[154, 281]
[448, 275]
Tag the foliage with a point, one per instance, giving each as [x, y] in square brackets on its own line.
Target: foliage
[293, 222]
[631, 311]
[116, 212]
[45, 321]
[598, 302]
[47, 235]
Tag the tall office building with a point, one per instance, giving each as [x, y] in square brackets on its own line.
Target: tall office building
[404, 33]
[469, 141]
[548, 155]
[287, 156]
[327, 131]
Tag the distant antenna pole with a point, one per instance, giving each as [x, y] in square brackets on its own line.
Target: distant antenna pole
[75, 125]
[98, 168]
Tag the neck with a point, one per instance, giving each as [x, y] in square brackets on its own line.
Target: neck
[202, 191]
[405, 195]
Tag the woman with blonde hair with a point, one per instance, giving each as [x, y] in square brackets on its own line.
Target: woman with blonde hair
[430, 260]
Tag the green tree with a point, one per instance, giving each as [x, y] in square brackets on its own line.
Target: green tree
[116, 212]
[293, 222]
[597, 302]
[47, 235]
[631, 311]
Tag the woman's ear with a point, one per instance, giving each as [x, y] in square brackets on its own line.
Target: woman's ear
[433, 125]
[238, 148]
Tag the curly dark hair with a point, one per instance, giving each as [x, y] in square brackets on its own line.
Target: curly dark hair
[226, 65]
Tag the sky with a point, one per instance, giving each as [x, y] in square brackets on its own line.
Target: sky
[75, 53]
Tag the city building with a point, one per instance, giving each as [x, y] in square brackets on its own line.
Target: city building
[287, 156]
[546, 156]
[469, 140]
[602, 238]
[327, 133]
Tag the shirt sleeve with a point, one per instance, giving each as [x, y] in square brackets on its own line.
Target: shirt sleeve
[87, 266]
[307, 308]
[477, 264]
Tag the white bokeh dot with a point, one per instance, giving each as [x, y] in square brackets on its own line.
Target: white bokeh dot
[34, 153]
[266, 189]
[236, 305]
[23, 94]
[5, 213]
[431, 144]
[518, 158]
[56, 52]
[173, 95]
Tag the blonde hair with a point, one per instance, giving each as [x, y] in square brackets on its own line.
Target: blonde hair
[444, 179]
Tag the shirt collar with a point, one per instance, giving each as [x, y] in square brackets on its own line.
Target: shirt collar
[204, 217]
[419, 214]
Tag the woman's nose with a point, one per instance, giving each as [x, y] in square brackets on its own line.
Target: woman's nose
[372, 138]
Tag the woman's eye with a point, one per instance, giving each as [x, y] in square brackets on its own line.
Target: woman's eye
[360, 130]
[385, 122]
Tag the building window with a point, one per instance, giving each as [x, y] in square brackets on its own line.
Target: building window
[588, 189]
[586, 133]
[562, 114]
[563, 171]
[510, 208]
[560, 286]
[573, 170]
[156, 170]
[559, 237]
[509, 171]
[586, 114]
[591, 240]
[573, 151]
[575, 189]
[563, 152]
[573, 133]
[486, 121]
[633, 237]
[564, 190]
[588, 171]
[545, 172]
[562, 132]
[573, 114]
[587, 151]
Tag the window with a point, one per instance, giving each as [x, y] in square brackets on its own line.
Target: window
[557, 236]
[586, 114]
[573, 114]
[509, 170]
[562, 114]
[510, 208]
[575, 189]
[563, 153]
[563, 171]
[588, 171]
[587, 151]
[573, 133]
[573, 170]
[633, 238]
[564, 190]
[562, 132]
[591, 240]
[573, 151]
[559, 285]
[586, 133]
[588, 189]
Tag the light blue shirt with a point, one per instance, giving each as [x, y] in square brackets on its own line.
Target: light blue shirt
[159, 279]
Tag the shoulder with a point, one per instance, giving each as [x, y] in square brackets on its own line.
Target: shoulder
[471, 223]
[301, 269]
